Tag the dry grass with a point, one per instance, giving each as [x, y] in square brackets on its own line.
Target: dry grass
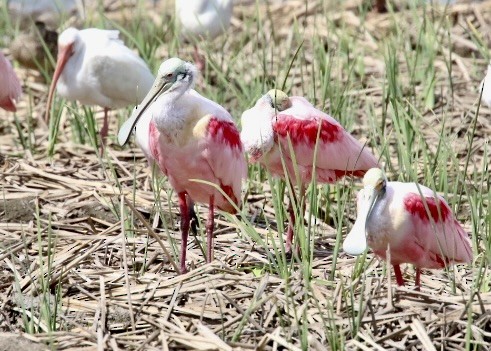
[64, 233]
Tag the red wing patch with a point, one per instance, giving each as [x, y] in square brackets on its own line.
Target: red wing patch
[224, 131]
[307, 130]
[8, 104]
[415, 205]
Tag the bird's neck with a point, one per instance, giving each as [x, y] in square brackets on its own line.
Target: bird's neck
[377, 211]
[170, 111]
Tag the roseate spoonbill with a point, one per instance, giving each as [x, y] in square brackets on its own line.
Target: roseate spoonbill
[281, 129]
[203, 19]
[191, 138]
[411, 221]
[94, 67]
[29, 48]
[10, 88]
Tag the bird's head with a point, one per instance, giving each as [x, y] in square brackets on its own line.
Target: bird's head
[374, 186]
[68, 39]
[67, 46]
[174, 76]
[375, 179]
[278, 100]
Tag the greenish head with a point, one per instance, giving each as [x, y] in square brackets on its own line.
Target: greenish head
[278, 100]
[375, 178]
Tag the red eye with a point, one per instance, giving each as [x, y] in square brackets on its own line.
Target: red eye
[168, 75]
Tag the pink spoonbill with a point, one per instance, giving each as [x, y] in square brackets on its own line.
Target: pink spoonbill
[94, 67]
[195, 143]
[289, 134]
[10, 88]
[411, 222]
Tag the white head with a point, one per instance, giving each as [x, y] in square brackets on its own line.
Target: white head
[174, 76]
[68, 43]
[68, 37]
[374, 185]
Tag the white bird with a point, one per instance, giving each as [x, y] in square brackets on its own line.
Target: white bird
[195, 143]
[203, 19]
[50, 12]
[94, 67]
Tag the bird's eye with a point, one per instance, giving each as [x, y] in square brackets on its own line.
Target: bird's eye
[168, 75]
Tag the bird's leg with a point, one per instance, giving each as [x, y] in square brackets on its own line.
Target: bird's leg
[183, 207]
[399, 278]
[291, 225]
[199, 59]
[105, 128]
[417, 280]
[291, 214]
[210, 223]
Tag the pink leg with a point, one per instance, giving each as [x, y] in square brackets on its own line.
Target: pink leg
[417, 280]
[210, 223]
[291, 224]
[104, 130]
[183, 206]
[199, 60]
[105, 127]
[399, 278]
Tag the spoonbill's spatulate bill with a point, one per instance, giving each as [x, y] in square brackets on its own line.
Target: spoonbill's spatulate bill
[94, 67]
[10, 88]
[412, 221]
[289, 130]
[195, 143]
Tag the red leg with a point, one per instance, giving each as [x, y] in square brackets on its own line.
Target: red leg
[399, 278]
[417, 280]
[183, 206]
[210, 223]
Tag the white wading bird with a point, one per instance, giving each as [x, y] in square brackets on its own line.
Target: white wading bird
[416, 225]
[283, 133]
[94, 67]
[203, 19]
[192, 139]
[50, 12]
[486, 87]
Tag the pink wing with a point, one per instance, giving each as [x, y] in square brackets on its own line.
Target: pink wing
[10, 88]
[225, 155]
[437, 231]
[338, 153]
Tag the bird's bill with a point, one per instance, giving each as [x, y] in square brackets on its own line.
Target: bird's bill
[159, 87]
[356, 241]
[64, 55]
